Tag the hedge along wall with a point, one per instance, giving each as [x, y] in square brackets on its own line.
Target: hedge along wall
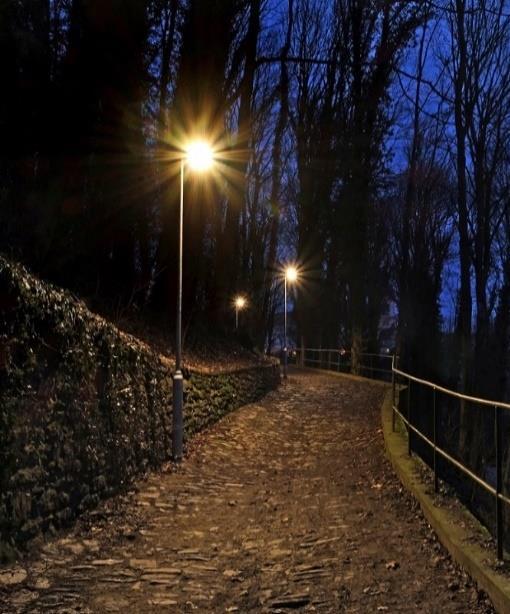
[84, 408]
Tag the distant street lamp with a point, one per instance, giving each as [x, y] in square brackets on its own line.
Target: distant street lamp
[239, 304]
[290, 276]
[199, 157]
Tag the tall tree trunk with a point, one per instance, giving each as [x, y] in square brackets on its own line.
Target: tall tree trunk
[228, 256]
[163, 294]
[198, 111]
[405, 333]
[276, 177]
[465, 302]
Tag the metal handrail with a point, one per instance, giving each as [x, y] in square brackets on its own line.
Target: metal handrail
[437, 450]
[335, 363]
[344, 352]
[452, 393]
[498, 406]
[481, 482]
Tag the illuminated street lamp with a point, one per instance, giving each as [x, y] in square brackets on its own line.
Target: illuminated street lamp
[239, 304]
[199, 157]
[290, 275]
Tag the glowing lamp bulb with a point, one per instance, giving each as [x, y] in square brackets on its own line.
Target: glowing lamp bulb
[240, 302]
[291, 274]
[199, 156]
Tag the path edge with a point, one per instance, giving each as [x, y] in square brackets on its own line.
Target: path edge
[445, 524]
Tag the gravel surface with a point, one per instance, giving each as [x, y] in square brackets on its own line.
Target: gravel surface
[287, 504]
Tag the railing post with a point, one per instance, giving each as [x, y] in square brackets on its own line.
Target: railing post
[436, 479]
[392, 398]
[499, 481]
[409, 451]
[329, 360]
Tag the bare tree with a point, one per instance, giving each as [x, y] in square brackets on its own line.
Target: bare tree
[476, 61]
[374, 38]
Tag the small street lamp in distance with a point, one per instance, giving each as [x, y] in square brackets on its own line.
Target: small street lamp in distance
[239, 304]
[291, 275]
[199, 156]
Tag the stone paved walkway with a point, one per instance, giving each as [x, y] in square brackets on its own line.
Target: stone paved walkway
[285, 504]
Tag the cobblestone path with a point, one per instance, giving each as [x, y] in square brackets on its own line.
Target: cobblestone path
[285, 504]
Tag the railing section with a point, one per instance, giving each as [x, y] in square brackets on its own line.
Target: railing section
[432, 415]
[375, 366]
[417, 402]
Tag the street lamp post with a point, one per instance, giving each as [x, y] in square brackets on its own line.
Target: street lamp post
[239, 303]
[290, 275]
[199, 157]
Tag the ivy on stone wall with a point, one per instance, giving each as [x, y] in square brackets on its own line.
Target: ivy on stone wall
[84, 407]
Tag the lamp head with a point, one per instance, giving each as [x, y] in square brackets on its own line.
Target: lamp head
[240, 302]
[291, 274]
[199, 155]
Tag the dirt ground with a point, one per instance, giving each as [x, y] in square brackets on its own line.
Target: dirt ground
[287, 504]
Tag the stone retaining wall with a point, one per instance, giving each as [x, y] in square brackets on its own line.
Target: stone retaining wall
[85, 408]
